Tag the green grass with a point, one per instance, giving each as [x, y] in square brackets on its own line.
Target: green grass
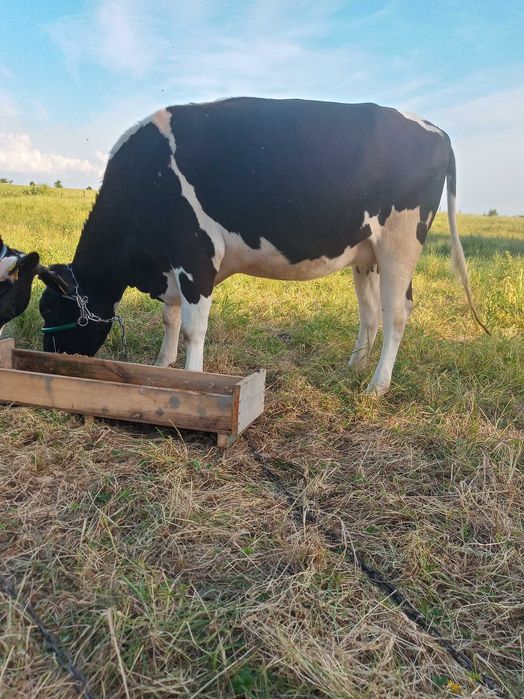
[212, 587]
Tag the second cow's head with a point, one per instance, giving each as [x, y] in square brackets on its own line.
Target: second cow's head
[17, 272]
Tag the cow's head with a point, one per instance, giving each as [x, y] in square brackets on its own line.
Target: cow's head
[17, 272]
[66, 329]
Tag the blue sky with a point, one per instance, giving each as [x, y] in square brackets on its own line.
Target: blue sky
[74, 75]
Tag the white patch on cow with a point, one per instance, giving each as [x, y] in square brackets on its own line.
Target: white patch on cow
[124, 138]
[267, 261]
[162, 120]
[172, 294]
[5, 265]
[421, 122]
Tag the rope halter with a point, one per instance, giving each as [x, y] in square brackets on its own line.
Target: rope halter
[86, 316]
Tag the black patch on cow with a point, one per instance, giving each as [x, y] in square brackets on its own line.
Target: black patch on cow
[188, 288]
[365, 231]
[302, 174]
[385, 213]
[409, 291]
[422, 231]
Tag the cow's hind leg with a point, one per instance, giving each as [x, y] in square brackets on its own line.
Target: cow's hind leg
[172, 317]
[367, 288]
[397, 252]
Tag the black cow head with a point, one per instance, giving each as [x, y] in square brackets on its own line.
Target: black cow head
[17, 272]
[64, 329]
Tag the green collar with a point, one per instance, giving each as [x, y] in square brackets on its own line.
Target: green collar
[57, 328]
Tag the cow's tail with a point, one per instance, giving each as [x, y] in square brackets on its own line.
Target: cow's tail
[457, 253]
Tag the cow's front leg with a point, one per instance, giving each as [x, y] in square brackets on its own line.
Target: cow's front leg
[195, 317]
[367, 287]
[172, 318]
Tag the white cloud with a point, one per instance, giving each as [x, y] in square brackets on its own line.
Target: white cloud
[18, 155]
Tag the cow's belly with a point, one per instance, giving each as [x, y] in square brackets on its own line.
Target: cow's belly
[268, 262]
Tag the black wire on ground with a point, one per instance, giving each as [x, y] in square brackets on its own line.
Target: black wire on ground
[373, 574]
[50, 640]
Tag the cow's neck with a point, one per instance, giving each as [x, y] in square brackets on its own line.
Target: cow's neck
[97, 283]
[99, 272]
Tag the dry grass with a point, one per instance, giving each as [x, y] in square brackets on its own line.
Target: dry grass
[213, 587]
[167, 568]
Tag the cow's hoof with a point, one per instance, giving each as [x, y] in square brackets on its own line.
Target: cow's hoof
[357, 363]
[376, 390]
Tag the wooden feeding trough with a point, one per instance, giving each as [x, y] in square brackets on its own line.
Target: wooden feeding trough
[135, 392]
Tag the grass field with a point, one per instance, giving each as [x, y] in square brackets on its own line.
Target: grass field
[168, 568]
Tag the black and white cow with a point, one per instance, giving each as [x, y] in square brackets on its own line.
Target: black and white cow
[284, 189]
[17, 272]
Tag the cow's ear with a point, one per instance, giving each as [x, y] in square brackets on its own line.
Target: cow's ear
[53, 280]
[28, 265]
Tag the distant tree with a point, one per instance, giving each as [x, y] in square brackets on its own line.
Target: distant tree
[58, 184]
[32, 184]
[4, 180]
[493, 212]
[89, 188]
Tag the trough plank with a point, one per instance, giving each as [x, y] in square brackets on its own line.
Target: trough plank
[162, 406]
[248, 400]
[122, 372]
